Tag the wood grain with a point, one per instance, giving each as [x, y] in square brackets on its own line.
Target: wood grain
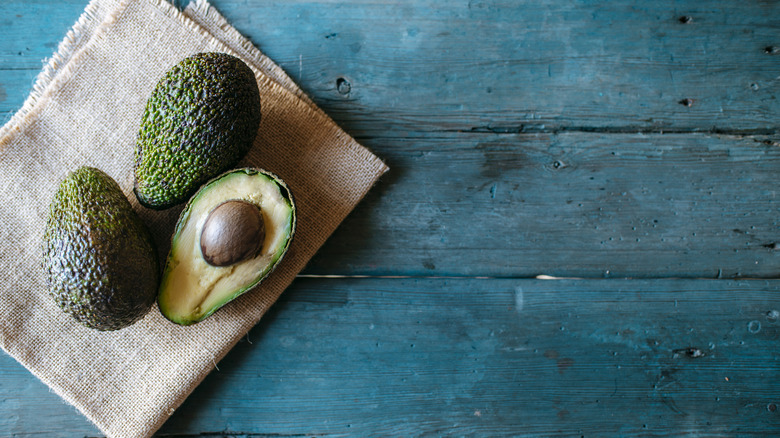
[574, 204]
[412, 357]
[490, 65]
[31, 31]
[604, 193]
[558, 138]
[524, 66]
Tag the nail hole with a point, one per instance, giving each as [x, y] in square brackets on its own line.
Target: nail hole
[343, 86]
[687, 102]
[772, 50]
[685, 19]
[692, 352]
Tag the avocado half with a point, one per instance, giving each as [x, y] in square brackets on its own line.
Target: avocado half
[191, 288]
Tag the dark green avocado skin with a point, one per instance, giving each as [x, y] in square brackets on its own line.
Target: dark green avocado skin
[200, 120]
[99, 260]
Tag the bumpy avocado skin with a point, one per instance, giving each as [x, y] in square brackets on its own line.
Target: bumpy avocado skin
[200, 120]
[99, 260]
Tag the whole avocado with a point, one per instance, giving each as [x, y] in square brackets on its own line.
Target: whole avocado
[200, 120]
[98, 257]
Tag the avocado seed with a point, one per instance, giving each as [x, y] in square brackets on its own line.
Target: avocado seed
[234, 231]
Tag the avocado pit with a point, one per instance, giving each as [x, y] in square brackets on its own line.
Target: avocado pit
[234, 231]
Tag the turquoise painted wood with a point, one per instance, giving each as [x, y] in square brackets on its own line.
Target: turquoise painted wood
[464, 357]
[632, 145]
[567, 204]
[492, 65]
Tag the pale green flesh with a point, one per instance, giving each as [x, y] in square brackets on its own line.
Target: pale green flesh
[191, 289]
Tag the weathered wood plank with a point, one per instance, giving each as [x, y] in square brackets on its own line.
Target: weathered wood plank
[716, 217]
[526, 65]
[368, 357]
[30, 30]
[493, 65]
[525, 139]
[570, 204]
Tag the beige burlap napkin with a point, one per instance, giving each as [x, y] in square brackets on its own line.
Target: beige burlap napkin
[85, 109]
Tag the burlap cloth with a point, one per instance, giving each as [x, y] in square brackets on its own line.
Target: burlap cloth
[85, 109]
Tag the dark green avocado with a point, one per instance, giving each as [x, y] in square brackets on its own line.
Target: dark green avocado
[229, 237]
[200, 120]
[98, 257]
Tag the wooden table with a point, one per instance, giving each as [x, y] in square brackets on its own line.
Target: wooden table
[578, 236]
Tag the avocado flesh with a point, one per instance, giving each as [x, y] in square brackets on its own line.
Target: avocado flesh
[200, 120]
[191, 289]
[98, 256]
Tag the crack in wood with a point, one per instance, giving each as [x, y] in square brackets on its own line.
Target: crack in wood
[546, 129]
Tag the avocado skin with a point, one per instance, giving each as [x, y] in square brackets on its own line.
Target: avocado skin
[200, 120]
[99, 260]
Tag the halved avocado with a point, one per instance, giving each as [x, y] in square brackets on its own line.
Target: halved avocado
[193, 286]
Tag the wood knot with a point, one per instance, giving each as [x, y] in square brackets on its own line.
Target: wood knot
[343, 86]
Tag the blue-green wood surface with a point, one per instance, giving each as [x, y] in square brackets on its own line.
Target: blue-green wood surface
[631, 147]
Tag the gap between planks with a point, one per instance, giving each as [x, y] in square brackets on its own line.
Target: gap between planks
[530, 277]
[545, 129]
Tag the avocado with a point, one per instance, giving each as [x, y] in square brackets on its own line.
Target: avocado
[199, 121]
[231, 234]
[99, 261]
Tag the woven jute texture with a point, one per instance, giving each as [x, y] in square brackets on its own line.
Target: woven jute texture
[85, 109]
